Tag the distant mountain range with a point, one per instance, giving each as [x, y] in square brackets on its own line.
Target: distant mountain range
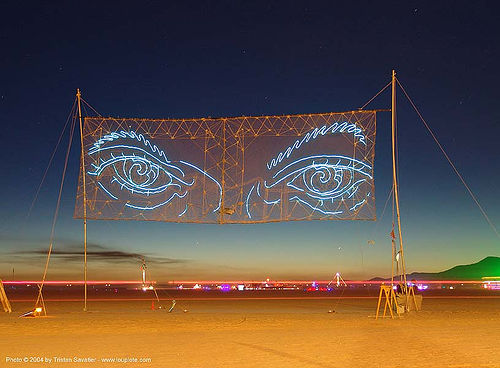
[487, 267]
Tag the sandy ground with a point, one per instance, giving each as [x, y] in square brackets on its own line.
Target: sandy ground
[449, 332]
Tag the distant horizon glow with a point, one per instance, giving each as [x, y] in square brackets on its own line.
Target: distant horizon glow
[235, 282]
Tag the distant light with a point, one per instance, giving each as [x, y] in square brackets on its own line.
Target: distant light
[492, 285]
[38, 309]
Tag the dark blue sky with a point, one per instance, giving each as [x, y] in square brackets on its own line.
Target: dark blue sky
[230, 58]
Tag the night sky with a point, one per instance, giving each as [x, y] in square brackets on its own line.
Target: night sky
[229, 58]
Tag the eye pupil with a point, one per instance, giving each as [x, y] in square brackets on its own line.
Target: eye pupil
[325, 179]
[140, 172]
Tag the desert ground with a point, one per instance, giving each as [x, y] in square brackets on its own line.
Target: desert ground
[296, 332]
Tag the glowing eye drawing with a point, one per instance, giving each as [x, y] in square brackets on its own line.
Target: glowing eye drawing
[132, 170]
[328, 184]
[324, 177]
[141, 175]
[321, 181]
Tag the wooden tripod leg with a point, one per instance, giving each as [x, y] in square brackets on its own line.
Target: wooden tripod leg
[4, 299]
[390, 301]
[42, 301]
[378, 304]
[395, 301]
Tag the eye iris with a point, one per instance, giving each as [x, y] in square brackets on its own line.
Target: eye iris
[325, 179]
[140, 173]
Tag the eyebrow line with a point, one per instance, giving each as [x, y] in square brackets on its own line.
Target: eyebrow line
[96, 147]
[334, 128]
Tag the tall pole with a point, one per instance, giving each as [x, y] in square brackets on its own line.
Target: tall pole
[222, 209]
[78, 96]
[394, 178]
[393, 246]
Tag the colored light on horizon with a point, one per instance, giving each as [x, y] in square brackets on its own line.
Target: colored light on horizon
[69, 283]
[224, 283]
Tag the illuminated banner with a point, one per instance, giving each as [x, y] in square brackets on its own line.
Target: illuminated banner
[230, 170]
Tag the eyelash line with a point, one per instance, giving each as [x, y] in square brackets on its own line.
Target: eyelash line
[158, 205]
[167, 163]
[315, 208]
[357, 205]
